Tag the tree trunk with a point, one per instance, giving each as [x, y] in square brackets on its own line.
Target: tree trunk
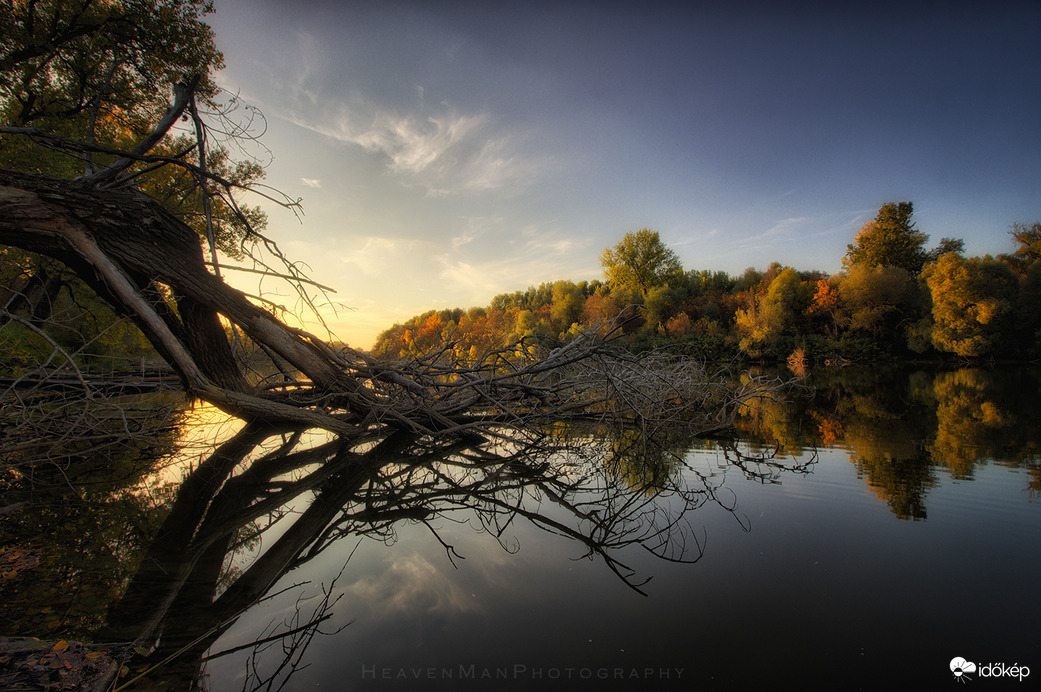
[123, 245]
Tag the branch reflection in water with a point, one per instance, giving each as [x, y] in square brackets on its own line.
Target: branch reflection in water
[608, 490]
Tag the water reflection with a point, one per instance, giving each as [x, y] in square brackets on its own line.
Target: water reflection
[299, 494]
[80, 504]
[904, 428]
[171, 567]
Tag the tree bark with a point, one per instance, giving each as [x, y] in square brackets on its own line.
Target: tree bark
[122, 243]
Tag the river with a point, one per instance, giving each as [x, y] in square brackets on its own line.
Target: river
[871, 527]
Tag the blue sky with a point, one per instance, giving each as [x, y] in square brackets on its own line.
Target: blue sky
[449, 151]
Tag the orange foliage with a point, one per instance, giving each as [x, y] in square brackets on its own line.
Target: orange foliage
[825, 300]
[680, 325]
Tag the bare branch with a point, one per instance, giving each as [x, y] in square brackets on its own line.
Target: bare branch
[183, 94]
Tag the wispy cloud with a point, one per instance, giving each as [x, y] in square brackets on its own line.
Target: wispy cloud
[414, 145]
[767, 238]
[537, 240]
[438, 146]
[412, 585]
[784, 227]
[446, 152]
[476, 227]
[374, 254]
[312, 182]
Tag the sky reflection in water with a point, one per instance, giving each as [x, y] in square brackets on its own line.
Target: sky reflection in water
[890, 525]
[884, 560]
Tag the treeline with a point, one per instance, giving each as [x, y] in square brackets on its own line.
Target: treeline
[894, 298]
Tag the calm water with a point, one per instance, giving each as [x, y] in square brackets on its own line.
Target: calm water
[867, 530]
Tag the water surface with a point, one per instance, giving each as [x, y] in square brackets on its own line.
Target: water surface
[869, 528]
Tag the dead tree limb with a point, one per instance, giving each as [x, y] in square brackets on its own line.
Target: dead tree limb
[132, 252]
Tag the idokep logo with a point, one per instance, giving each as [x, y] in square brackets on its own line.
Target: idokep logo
[962, 669]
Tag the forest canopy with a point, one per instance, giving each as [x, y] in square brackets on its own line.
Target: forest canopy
[894, 298]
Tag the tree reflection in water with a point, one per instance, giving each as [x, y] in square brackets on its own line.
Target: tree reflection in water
[566, 481]
[905, 430]
[176, 569]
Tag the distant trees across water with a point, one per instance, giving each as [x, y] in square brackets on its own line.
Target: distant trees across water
[894, 299]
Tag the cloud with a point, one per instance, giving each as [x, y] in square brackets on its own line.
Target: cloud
[784, 226]
[767, 238]
[373, 255]
[412, 585]
[540, 241]
[435, 145]
[415, 145]
[312, 182]
[445, 152]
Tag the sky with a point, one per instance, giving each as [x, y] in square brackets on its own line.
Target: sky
[447, 152]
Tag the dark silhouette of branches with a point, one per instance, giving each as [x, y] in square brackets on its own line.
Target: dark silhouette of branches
[558, 480]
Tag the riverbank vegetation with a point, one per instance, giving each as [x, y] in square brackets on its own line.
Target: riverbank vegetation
[895, 298]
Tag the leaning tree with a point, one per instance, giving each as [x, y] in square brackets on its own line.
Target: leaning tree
[112, 167]
[109, 116]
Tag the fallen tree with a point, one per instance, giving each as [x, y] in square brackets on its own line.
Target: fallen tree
[139, 220]
[150, 266]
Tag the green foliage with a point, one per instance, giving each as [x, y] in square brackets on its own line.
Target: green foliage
[46, 307]
[661, 304]
[567, 302]
[640, 262]
[80, 61]
[103, 72]
[889, 240]
[774, 316]
[705, 281]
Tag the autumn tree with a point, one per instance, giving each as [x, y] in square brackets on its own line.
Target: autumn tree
[955, 245]
[973, 303]
[775, 314]
[879, 300]
[889, 240]
[825, 306]
[640, 262]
